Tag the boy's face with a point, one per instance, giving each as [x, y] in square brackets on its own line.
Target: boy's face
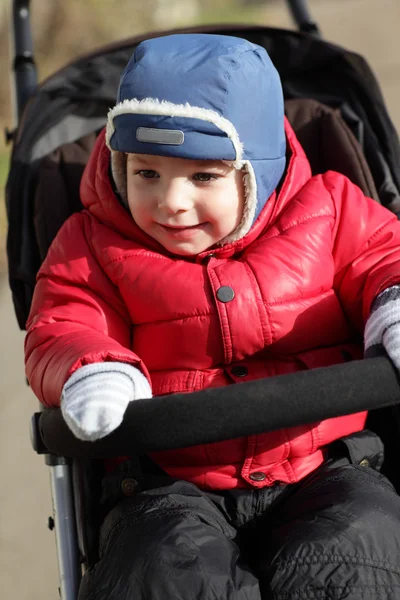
[186, 205]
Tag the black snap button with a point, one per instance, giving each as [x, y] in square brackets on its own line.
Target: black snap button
[225, 293]
[207, 258]
[239, 371]
[129, 486]
[257, 476]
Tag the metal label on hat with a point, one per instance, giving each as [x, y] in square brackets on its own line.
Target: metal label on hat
[160, 136]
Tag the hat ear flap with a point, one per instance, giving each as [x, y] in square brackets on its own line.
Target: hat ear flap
[119, 176]
[250, 204]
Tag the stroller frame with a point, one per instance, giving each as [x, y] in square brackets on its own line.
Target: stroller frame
[73, 550]
[24, 67]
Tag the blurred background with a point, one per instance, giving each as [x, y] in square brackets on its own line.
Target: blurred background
[63, 29]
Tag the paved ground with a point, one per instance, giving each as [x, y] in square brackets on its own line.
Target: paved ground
[28, 568]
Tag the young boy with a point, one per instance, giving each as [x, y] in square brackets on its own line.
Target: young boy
[207, 255]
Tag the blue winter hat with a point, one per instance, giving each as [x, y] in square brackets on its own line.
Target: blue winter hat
[203, 97]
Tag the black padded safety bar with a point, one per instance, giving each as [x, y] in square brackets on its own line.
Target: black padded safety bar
[216, 414]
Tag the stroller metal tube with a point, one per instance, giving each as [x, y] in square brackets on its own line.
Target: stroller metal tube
[25, 74]
[65, 527]
[302, 17]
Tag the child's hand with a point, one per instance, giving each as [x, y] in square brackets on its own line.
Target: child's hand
[383, 326]
[95, 397]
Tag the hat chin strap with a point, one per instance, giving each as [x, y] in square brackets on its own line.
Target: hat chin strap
[118, 169]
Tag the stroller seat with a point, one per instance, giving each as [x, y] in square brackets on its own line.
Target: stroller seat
[329, 144]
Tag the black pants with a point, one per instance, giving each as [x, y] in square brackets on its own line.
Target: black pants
[335, 535]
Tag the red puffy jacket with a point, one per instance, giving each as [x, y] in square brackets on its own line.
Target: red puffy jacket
[304, 278]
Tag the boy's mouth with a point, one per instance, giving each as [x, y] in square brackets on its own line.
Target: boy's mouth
[181, 226]
[182, 231]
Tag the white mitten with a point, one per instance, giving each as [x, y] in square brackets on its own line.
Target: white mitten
[95, 397]
[383, 326]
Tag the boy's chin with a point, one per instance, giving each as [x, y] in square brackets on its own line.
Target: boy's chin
[186, 249]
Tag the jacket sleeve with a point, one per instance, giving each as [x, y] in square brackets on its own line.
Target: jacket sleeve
[77, 315]
[366, 248]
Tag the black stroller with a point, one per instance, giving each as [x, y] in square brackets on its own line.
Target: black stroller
[336, 108]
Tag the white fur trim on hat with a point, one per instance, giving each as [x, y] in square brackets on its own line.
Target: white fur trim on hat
[152, 106]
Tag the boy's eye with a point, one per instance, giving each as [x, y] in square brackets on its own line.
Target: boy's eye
[204, 177]
[148, 173]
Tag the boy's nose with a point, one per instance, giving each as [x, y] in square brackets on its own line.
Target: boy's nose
[175, 198]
